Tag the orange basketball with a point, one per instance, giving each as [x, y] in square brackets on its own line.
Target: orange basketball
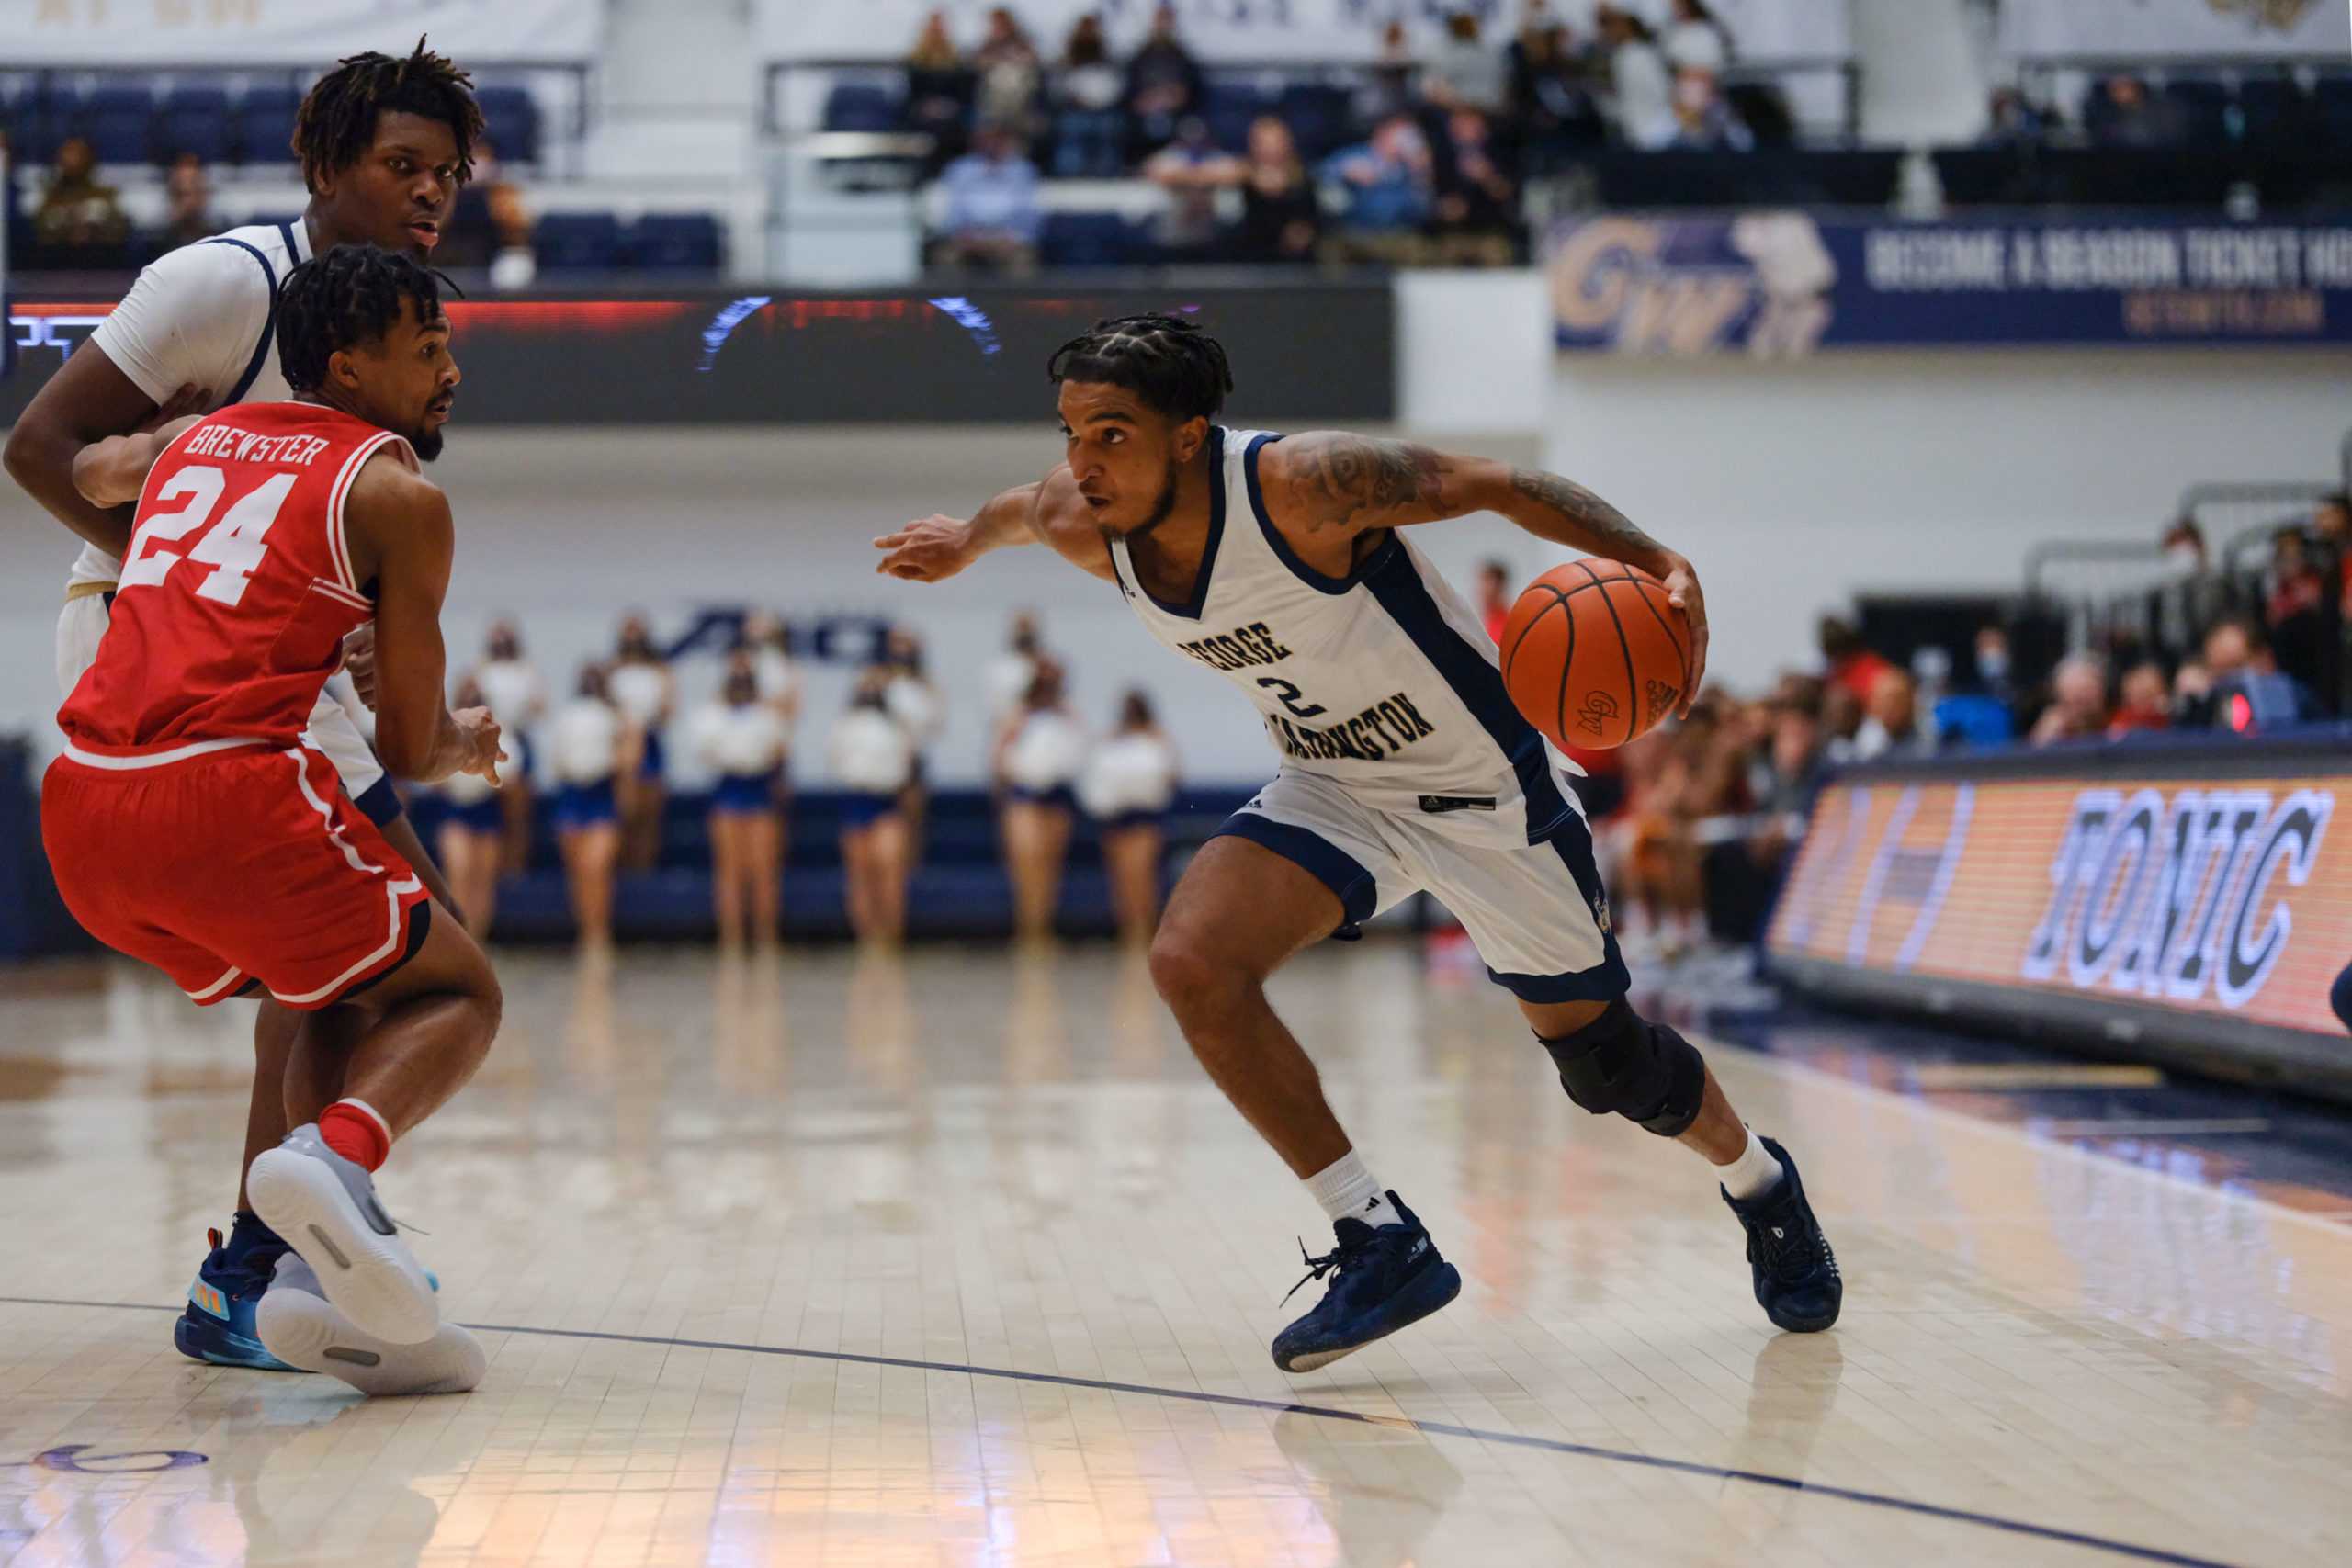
[1594, 655]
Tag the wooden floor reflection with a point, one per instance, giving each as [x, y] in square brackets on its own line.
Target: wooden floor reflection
[958, 1260]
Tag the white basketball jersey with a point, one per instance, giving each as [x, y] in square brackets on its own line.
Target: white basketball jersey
[1383, 681]
[204, 315]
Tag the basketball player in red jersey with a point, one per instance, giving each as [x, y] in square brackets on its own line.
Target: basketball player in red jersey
[384, 143]
[189, 827]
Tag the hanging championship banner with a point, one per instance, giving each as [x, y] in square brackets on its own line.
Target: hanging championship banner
[1243, 31]
[178, 34]
[2127, 29]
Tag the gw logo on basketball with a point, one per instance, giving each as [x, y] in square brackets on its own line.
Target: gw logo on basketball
[2175, 899]
[1599, 709]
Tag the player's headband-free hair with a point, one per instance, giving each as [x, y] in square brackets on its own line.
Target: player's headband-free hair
[1167, 361]
[347, 298]
[336, 123]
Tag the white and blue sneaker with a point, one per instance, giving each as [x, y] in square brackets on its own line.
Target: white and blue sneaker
[326, 1207]
[217, 1327]
[298, 1325]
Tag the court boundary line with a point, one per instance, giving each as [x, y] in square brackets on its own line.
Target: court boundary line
[1328, 1413]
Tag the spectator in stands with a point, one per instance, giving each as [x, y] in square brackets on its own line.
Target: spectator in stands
[1039, 753]
[2077, 709]
[512, 690]
[2146, 702]
[1846, 661]
[921, 712]
[1010, 75]
[1010, 672]
[1890, 726]
[1164, 85]
[2331, 532]
[642, 690]
[1641, 87]
[940, 88]
[1388, 89]
[2293, 590]
[2011, 119]
[1128, 785]
[1390, 180]
[2122, 113]
[187, 202]
[1089, 122]
[80, 223]
[871, 758]
[1192, 169]
[1464, 72]
[1494, 597]
[1841, 720]
[993, 217]
[1695, 39]
[1282, 220]
[489, 226]
[769, 643]
[467, 843]
[1994, 672]
[1478, 198]
[1703, 119]
[1551, 86]
[1789, 764]
[592, 748]
[2184, 547]
[743, 741]
[2248, 692]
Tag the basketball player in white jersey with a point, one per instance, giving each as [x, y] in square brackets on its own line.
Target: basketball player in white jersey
[1281, 565]
[384, 144]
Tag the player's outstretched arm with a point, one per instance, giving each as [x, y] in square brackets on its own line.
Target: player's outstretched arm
[1332, 484]
[113, 472]
[1051, 511]
[400, 531]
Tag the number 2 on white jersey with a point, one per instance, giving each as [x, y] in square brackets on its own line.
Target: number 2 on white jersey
[233, 547]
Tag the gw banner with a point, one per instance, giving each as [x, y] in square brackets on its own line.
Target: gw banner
[177, 34]
[1762, 32]
[2140, 29]
[1781, 285]
[2177, 898]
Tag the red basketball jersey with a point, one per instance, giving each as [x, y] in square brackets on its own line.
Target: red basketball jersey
[233, 602]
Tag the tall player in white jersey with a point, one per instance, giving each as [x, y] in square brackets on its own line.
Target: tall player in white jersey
[384, 144]
[1279, 563]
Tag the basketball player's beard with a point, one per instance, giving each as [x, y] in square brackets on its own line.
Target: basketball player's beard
[1160, 509]
[426, 444]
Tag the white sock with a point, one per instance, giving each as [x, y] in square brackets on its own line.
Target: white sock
[1753, 1174]
[1347, 1190]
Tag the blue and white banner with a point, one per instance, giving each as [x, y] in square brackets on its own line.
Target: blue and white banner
[1782, 285]
[2180, 29]
[1762, 32]
[175, 34]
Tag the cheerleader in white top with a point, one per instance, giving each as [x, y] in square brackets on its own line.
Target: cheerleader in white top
[770, 645]
[743, 740]
[510, 686]
[471, 832]
[1039, 753]
[916, 704]
[1128, 787]
[589, 749]
[872, 759]
[643, 691]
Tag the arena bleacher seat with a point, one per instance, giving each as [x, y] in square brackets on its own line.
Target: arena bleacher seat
[864, 107]
[578, 241]
[194, 119]
[117, 121]
[512, 118]
[675, 243]
[265, 124]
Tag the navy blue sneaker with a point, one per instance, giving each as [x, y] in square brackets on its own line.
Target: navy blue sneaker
[1383, 1280]
[1797, 1282]
[218, 1325]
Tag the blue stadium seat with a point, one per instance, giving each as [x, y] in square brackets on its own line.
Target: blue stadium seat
[265, 125]
[676, 242]
[194, 119]
[34, 129]
[2331, 102]
[1319, 115]
[1228, 109]
[118, 122]
[578, 241]
[861, 105]
[511, 116]
[2204, 108]
[1086, 239]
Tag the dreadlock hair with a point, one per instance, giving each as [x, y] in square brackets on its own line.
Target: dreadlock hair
[346, 298]
[337, 121]
[1167, 361]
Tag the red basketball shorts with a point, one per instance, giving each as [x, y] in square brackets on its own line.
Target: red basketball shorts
[230, 870]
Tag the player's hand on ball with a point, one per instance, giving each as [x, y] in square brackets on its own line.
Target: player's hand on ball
[1682, 591]
[929, 550]
[359, 662]
[483, 752]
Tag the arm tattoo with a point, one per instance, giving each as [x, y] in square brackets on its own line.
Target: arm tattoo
[1353, 478]
[1601, 528]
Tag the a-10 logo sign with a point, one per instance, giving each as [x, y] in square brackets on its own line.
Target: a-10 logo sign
[2177, 899]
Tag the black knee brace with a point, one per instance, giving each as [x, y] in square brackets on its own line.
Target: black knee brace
[1643, 1071]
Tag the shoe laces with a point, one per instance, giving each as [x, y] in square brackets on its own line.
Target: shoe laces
[1337, 1259]
[1789, 1245]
